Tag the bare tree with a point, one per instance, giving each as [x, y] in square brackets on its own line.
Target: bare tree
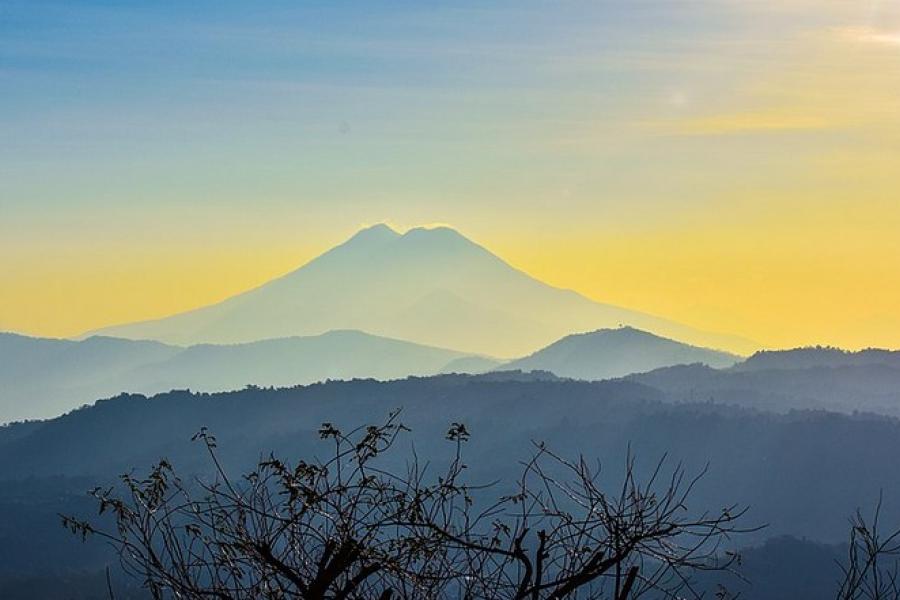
[872, 570]
[348, 528]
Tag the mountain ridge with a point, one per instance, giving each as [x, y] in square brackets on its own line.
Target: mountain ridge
[43, 377]
[610, 353]
[818, 356]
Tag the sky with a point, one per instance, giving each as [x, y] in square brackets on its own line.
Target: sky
[730, 164]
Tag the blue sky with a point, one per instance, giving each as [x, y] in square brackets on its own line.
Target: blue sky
[598, 145]
[196, 92]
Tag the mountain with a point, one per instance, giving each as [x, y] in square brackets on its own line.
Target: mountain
[473, 365]
[790, 380]
[806, 358]
[42, 378]
[609, 353]
[803, 473]
[429, 286]
[297, 360]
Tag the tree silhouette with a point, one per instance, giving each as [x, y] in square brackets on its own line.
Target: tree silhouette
[872, 570]
[348, 527]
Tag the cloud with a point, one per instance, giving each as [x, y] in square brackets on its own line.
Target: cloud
[742, 123]
[870, 35]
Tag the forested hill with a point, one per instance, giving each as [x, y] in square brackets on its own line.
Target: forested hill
[847, 388]
[782, 466]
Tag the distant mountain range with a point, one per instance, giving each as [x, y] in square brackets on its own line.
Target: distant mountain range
[802, 472]
[819, 356]
[805, 378]
[611, 353]
[42, 378]
[429, 286]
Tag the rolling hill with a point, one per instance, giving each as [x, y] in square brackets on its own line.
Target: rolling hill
[609, 353]
[817, 357]
[799, 379]
[781, 466]
[42, 378]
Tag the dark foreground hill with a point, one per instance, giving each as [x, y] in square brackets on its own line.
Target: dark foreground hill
[803, 473]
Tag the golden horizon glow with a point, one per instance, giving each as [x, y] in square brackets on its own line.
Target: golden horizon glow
[736, 170]
[748, 289]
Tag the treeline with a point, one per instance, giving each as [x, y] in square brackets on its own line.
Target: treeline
[803, 473]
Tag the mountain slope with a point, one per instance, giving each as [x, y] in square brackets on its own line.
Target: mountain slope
[471, 364]
[804, 358]
[608, 353]
[42, 378]
[430, 286]
[294, 361]
[783, 466]
[790, 380]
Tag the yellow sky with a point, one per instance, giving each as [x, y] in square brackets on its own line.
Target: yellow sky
[743, 180]
[831, 279]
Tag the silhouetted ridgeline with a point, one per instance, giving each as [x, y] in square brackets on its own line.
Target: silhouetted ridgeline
[803, 378]
[800, 471]
[608, 353]
[820, 356]
[803, 473]
[43, 378]
[845, 388]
